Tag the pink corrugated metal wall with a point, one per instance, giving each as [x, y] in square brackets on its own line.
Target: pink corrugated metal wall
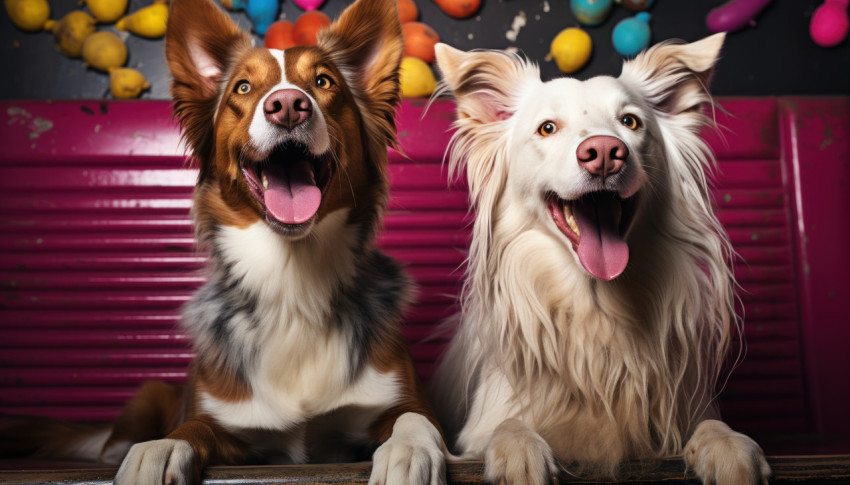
[97, 253]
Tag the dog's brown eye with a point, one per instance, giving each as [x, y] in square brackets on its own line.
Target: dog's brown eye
[243, 87]
[324, 81]
[547, 128]
[630, 121]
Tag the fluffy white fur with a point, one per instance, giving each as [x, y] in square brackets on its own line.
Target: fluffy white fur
[548, 359]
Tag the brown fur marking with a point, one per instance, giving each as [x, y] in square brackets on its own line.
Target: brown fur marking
[392, 354]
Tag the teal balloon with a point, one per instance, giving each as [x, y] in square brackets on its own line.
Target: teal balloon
[261, 12]
[591, 12]
[631, 35]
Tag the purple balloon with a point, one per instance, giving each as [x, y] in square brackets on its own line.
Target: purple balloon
[734, 14]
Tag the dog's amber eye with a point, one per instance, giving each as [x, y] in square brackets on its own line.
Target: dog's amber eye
[547, 128]
[630, 121]
[324, 81]
[243, 87]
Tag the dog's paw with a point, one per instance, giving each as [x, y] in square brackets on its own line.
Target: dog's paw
[721, 456]
[517, 454]
[160, 462]
[414, 454]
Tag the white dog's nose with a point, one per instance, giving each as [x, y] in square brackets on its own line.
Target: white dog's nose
[602, 155]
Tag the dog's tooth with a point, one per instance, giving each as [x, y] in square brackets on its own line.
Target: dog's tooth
[572, 223]
[571, 220]
[265, 182]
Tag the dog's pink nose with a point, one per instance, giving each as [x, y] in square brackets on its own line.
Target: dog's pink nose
[288, 108]
[602, 155]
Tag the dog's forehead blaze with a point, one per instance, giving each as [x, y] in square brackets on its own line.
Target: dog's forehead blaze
[301, 67]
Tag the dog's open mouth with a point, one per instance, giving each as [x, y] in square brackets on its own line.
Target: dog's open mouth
[596, 225]
[289, 184]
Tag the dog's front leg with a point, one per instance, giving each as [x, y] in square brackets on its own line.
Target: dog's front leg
[518, 454]
[414, 454]
[718, 455]
[165, 461]
[179, 458]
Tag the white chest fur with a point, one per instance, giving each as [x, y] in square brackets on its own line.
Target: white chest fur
[302, 367]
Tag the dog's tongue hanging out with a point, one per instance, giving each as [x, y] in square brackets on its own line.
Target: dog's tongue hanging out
[601, 249]
[292, 196]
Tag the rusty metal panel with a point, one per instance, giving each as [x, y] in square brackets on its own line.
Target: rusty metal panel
[96, 251]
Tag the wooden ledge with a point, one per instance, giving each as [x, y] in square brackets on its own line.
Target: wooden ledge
[832, 469]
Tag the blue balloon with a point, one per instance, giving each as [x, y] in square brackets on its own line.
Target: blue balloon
[261, 12]
[631, 35]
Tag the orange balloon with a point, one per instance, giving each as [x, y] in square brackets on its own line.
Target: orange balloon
[308, 25]
[419, 40]
[407, 11]
[459, 9]
[279, 35]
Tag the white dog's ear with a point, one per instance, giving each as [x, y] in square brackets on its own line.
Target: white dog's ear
[674, 77]
[486, 83]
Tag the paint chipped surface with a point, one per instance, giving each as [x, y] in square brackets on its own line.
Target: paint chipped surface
[20, 116]
[519, 22]
[38, 126]
[17, 114]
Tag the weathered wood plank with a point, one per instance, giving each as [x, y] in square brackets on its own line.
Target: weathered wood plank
[832, 469]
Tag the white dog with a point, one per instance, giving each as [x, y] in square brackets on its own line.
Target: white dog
[598, 304]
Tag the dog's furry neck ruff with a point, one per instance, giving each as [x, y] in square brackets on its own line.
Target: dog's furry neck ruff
[642, 353]
[262, 288]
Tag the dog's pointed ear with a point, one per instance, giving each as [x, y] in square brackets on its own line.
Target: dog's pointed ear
[674, 77]
[486, 84]
[200, 43]
[366, 45]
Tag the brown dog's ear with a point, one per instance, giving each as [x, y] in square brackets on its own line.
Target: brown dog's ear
[674, 77]
[366, 45]
[201, 42]
[486, 84]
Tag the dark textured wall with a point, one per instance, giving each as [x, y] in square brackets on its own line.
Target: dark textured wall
[776, 57]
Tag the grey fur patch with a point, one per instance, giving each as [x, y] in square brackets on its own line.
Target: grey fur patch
[372, 306]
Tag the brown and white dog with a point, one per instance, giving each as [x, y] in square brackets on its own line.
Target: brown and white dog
[598, 305]
[299, 354]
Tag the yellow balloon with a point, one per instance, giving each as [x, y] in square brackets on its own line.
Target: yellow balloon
[127, 83]
[148, 22]
[104, 50]
[417, 79]
[571, 49]
[71, 32]
[29, 15]
[107, 11]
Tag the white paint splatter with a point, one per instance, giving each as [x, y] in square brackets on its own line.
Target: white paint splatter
[470, 36]
[545, 6]
[518, 23]
[39, 125]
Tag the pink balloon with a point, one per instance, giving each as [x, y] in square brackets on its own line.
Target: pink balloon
[309, 4]
[829, 23]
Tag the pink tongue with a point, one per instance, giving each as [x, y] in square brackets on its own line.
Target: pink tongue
[601, 250]
[292, 197]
